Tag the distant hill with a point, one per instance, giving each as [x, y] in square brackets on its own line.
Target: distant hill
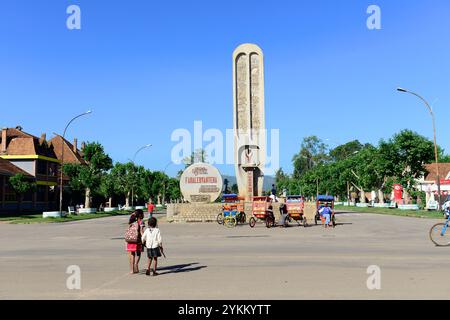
[268, 181]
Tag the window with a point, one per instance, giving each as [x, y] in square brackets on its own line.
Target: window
[28, 196]
[52, 169]
[41, 190]
[10, 194]
[2, 182]
[42, 167]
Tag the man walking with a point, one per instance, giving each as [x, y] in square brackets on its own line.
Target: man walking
[150, 208]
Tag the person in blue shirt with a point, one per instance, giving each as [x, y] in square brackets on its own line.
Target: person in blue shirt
[446, 208]
[326, 212]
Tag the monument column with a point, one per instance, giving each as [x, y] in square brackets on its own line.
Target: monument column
[249, 119]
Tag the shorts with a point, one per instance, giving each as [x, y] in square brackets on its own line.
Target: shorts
[154, 253]
[327, 218]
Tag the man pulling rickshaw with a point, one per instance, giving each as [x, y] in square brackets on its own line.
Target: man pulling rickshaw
[325, 211]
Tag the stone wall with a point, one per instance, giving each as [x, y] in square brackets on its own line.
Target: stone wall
[193, 212]
[196, 212]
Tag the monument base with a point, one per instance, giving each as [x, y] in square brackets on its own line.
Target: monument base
[207, 212]
[193, 212]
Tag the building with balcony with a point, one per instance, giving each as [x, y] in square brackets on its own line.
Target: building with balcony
[35, 157]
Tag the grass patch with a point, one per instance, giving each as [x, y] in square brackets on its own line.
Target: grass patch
[37, 218]
[396, 212]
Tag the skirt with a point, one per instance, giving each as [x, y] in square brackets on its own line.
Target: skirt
[134, 247]
[153, 253]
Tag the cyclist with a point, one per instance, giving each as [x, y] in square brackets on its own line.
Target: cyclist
[446, 208]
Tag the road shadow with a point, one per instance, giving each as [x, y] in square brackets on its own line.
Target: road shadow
[346, 212]
[320, 225]
[188, 267]
[235, 237]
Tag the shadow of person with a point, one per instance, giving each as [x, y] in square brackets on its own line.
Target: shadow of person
[180, 268]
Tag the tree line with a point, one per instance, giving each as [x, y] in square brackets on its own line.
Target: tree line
[120, 180]
[354, 168]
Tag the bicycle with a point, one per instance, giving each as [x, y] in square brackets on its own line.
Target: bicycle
[438, 233]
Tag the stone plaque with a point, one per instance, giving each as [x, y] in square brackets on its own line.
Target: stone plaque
[201, 183]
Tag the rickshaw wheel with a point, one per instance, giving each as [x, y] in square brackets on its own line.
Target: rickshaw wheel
[230, 222]
[243, 218]
[220, 218]
[252, 222]
[269, 222]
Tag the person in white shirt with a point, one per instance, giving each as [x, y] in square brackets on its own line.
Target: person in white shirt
[153, 242]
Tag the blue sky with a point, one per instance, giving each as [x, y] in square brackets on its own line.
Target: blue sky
[146, 68]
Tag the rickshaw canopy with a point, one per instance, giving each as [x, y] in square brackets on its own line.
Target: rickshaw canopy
[325, 198]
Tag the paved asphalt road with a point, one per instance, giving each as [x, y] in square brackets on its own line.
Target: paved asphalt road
[208, 261]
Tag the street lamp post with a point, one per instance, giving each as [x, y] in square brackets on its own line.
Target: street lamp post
[438, 179]
[133, 161]
[62, 157]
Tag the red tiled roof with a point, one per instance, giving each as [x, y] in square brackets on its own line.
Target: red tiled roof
[70, 156]
[22, 143]
[444, 170]
[8, 169]
[14, 133]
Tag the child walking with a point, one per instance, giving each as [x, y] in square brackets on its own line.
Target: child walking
[134, 247]
[153, 243]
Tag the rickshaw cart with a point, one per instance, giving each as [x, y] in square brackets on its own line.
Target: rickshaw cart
[261, 211]
[295, 206]
[323, 201]
[232, 210]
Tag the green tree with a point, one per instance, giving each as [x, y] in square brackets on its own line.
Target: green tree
[21, 185]
[282, 180]
[406, 155]
[108, 187]
[444, 159]
[344, 151]
[366, 171]
[89, 176]
[126, 179]
[145, 185]
[312, 152]
[173, 192]
[198, 155]
[159, 186]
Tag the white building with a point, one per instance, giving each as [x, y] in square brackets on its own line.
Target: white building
[428, 182]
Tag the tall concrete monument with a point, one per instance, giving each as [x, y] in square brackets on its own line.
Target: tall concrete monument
[249, 119]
